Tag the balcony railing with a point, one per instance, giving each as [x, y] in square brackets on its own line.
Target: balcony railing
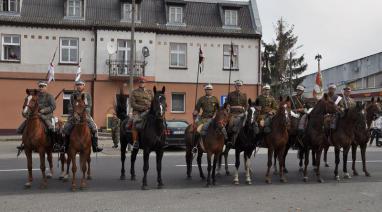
[119, 69]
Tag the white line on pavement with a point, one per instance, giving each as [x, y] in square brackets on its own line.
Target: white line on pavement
[16, 170]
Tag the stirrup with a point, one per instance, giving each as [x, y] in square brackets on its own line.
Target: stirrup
[194, 150]
[136, 145]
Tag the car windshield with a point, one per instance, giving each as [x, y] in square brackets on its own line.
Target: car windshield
[176, 124]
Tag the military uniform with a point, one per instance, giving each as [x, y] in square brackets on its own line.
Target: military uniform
[267, 104]
[298, 102]
[140, 101]
[348, 102]
[209, 105]
[237, 101]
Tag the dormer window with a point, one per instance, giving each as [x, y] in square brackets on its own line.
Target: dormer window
[127, 12]
[230, 18]
[12, 6]
[175, 15]
[74, 8]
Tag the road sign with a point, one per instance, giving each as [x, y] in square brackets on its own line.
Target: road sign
[222, 99]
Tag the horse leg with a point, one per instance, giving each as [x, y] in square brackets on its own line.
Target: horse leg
[285, 170]
[50, 161]
[189, 161]
[270, 155]
[83, 161]
[209, 155]
[345, 164]
[306, 163]
[354, 157]
[275, 172]
[214, 169]
[337, 161]
[89, 177]
[300, 157]
[159, 154]
[318, 161]
[363, 155]
[227, 173]
[146, 156]
[74, 169]
[199, 161]
[123, 158]
[247, 161]
[282, 165]
[68, 161]
[42, 168]
[28, 154]
[63, 161]
[237, 165]
[326, 156]
[133, 158]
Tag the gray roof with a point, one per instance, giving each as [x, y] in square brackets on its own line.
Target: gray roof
[201, 17]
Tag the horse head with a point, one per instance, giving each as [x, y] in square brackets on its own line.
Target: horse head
[79, 108]
[31, 103]
[222, 117]
[325, 106]
[158, 104]
[373, 110]
[284, 108]
[251, 112]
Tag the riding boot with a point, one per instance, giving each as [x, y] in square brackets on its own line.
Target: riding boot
[134, 135]
[95, 146]
[65, 145]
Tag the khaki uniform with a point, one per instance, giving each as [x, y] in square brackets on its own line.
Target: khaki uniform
[347, 103]
[298, 103]
[267, 103]
[209, 105]
[237, 99]
[140, 101]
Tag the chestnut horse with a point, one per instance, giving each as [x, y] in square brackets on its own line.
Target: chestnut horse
[35, 138]
[80, 142]
[315, 138]
[277, 140]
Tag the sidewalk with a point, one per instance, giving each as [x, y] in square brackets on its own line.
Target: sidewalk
[101, 135]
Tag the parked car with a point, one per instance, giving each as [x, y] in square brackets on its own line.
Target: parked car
[175, 132]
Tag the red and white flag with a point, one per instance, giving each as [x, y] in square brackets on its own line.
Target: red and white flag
[51, 73]
[201, 59]
[78, 73]
[318, 91]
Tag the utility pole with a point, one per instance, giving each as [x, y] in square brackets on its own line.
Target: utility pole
[132, 52]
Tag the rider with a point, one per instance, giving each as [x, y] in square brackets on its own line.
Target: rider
[140, 102]
[47, 105]
[80, 87]
[299, 107]
[347, 101]
[337, 101]
[209, 104]
[267, 106]
[237, 102]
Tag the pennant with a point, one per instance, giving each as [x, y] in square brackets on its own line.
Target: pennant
[232, 54]
[51, 73]
[78, 73]
[201, 59]
[318, 89]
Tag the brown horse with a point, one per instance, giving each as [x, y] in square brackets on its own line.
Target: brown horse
[80, 142]
[192, 140]
[277, 140]
[315, 138]
[35, 138]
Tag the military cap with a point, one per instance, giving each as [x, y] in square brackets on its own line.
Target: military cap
[300, 88]
[332, 85]
[238, 82]
[266, 87]
[42, 83]
[141, 79]
[208, 87]
[80, 82]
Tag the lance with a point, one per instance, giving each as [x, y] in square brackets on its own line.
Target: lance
[51, 62]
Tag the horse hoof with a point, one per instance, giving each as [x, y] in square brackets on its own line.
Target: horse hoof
[60, 177]
[327, 165]
[283, 180]
[188, 177]
[347, 176]
[83, 187]
[160, 185]
[74, 188]
[49, 176]
[275, 173]
[286, 171]
[227, 173]
[355, 173]
[367, 174]
[248, 182]
[213, 183]
[208, 185]
[268, 181]
[144, 187]
[28, 185]
[320, 180]
[236, 182]
[306, 179]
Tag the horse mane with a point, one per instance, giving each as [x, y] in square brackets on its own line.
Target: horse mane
[279, 120]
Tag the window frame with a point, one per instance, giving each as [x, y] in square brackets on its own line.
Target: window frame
[66, 97]
[178, 52]
[69, 47]
[228, 54]
[137, 12]
[228, 13]
[81, 9]
[178, 10]
[184, 102]
[17, 6]
[3, 44]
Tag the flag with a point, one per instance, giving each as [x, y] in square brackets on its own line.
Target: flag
[232, 54]
[201, 59]
[318, 91]
[51, 73]
[78, 73]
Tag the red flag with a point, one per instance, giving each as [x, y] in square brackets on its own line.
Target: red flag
[318, 90]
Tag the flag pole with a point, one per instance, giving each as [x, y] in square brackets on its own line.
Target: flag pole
[197, 77]
[230, 68]
[51, 62]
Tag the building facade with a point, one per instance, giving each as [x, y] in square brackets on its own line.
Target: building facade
[170, 32]
[364, 76]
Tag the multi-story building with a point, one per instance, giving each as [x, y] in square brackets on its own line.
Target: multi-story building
[364, 76]
[80, 32]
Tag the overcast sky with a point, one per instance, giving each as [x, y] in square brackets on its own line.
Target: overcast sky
[340, 30]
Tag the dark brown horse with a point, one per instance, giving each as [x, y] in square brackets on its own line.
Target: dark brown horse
[80, 142]
[315, 138]
[277, 140]
[35, 138]
[192, 140]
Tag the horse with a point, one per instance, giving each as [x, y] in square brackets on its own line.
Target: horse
[192, 140]
[152, 136]
[277, 140]
[246, 142]
[80, 142]
[344, 136]
[35, 139]
[315, 138]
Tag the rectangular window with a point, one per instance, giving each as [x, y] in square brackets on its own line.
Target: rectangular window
[176, 15]
[66, 102]
[123, 56]
[178, 102]
[74, 8]
[9, 6]
[370, 81]
[127, 12]
[230, 17]
[69, 50]
[11, 47]
[227, 57]
[178, 55]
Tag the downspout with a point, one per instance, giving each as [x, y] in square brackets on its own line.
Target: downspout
[95, 67]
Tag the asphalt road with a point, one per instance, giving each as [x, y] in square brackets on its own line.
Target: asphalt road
[107, 193]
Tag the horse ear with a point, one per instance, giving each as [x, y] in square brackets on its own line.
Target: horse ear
[163, 89]
[372, 99]
[249, 101]
[155, 89]
[288, 99]
[281, 98]
[83, 97]
[28, 91]
[378, 100]
[326, 97]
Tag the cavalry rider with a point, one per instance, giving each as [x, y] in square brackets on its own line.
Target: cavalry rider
[47, 105]
[238, 104]
[209, 105]
[299, 107]
[140, 101]
[267, 106]
[347, 101]
[80, 87]
[337, 101]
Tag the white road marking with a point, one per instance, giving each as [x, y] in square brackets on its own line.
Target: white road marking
[16, 170]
